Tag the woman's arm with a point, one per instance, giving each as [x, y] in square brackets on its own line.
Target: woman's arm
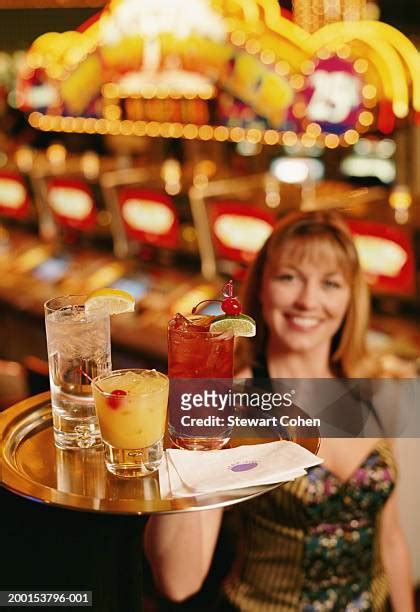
[396, 559]
[180, 549]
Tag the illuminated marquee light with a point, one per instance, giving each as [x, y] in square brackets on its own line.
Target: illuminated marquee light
[14, 199]
[332, 96]
[254, 24]
[72, 203]
[239, 230]
[385, 41]
[149, 217]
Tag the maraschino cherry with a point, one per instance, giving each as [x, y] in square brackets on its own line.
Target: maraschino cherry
[230, 304]
[114, 400]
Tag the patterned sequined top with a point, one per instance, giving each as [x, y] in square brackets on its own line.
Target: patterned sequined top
[313, 545]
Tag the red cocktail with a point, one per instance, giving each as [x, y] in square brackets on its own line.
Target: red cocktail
[194, 352]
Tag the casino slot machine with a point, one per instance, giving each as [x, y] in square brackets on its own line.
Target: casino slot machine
[154, 235]
[70, 205]
[21, 249]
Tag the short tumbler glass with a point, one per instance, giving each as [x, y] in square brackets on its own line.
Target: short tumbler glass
[131, 406]
[79, 348]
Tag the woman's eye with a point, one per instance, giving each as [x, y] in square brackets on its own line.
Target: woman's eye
[286, 276]
[331, 284]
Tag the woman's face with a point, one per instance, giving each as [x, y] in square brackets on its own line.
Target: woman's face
[304, 297]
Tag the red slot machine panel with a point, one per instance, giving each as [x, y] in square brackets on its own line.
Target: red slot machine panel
[72, 203]
[14, 198]
[386, 255]
[149, 217]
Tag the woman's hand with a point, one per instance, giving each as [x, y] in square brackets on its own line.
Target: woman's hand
[180, 548]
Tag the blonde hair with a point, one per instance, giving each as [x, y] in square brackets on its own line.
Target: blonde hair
[311, 228]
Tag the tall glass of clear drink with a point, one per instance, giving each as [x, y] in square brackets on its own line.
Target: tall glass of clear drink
[79, 348]
[131, 407]
[194, 352]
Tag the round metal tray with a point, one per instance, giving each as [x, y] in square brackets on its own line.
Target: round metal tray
[31, 466]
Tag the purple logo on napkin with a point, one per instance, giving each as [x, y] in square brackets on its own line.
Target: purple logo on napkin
[243, 467]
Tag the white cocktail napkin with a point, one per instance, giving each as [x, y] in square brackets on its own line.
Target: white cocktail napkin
[188, 473]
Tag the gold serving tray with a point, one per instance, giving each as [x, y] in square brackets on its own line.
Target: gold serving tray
[32, 467]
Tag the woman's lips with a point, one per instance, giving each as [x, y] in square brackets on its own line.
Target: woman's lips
[302, 323]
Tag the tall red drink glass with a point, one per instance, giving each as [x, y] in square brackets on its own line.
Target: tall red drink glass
[194, 352]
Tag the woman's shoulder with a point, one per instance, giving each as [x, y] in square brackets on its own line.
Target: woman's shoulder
[384, 365]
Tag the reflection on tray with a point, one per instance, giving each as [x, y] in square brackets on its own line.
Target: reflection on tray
[84, 473]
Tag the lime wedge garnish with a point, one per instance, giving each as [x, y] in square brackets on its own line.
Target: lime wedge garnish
[111, 301]
[240, 325]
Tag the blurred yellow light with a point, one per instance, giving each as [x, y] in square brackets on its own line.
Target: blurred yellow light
[24, 159]
[268, 56]
[175, 130]
[299, 110]
[297, 81]
[400, 109]
[361, 65]
[313, 129]
[400, 198]
[365, 118]
[127, 128]
[78, 124]
[253, 46]
[112, 112]
[308, 141]
[34, 119]
[369, 91]
[221, 133]
[238, 38]
[56, 154]
[152, 129]
[190, 131]
[237, 134]
[35, 60]
[344, 52]
[271, 137]
[165, 130]
[90, 126]
[307, 67]
[331, 141]
[351, 137]
[290, 139]
[101, 126]
[67, 124]
[140, 128]
[205, 132]
[282, 68]
[253, 135]
[110, 90]
[206, 167]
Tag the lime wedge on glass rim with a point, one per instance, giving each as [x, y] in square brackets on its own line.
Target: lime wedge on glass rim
[240, 325]
[111, 301]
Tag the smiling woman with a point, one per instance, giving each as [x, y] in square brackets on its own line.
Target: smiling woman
[306, 287]
[329, 540]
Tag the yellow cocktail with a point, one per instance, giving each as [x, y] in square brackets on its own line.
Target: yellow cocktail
[131, 406]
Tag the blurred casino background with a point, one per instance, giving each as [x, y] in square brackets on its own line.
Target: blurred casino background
[149, 151]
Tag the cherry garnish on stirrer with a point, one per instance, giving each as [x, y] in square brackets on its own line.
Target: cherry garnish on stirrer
[230, 303]
[114, 398]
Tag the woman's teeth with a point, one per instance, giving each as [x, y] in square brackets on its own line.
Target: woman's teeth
[305, 322]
